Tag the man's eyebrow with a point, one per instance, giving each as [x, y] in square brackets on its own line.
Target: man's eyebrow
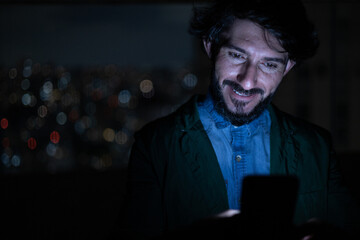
[279, 60]
[229, 45]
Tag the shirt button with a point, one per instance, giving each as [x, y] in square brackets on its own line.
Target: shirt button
[238, 158]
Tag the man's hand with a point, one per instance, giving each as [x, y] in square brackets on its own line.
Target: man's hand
[227, 213]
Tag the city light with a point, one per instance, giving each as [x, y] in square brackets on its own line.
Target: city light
[100, 107]
[109, 135]
[42, 111]
[189, 81]
[4, 123]
[32, 143]
[55, 137]
[61, 118]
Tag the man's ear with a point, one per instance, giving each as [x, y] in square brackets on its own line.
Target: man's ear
[289, 65]
[207, 47]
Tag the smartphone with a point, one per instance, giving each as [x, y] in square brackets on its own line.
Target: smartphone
[269, 200]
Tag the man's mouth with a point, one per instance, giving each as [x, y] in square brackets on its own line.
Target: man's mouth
[242, 93]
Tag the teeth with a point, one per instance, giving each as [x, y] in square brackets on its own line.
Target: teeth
[241, 94]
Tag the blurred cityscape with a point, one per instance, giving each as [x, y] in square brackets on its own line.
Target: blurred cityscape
[56, 119]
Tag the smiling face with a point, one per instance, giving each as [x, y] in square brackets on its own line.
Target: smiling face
[248, 69]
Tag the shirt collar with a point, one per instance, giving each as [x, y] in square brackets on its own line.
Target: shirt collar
[221, 122]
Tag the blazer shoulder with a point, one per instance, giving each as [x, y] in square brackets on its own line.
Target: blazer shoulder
[299, 126]
[184, 117]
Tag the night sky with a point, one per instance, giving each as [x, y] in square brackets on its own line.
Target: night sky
[89, 34]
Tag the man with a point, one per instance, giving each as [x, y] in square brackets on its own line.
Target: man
[191, 164]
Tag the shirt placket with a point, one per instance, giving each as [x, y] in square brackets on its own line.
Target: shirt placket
[239, 160]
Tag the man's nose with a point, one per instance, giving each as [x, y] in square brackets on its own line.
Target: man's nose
[247, 76]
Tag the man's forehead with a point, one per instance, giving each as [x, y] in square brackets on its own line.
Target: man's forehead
[245, 32]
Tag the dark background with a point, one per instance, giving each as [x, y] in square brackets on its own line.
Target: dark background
[78, 68]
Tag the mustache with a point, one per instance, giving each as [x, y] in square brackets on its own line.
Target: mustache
[237, 87]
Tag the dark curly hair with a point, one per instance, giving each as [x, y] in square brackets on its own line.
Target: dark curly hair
[286, 20]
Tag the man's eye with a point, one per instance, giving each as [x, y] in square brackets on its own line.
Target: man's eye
[237, 55]
[271, 65]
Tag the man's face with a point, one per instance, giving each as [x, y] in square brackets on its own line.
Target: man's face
[248, 68]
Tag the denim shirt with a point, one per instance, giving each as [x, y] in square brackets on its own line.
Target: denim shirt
[241, 151]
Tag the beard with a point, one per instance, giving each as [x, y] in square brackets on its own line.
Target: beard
[239, 117]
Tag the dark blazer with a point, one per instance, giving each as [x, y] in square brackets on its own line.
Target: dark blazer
[175, 179]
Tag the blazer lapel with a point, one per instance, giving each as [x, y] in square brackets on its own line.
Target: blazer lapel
[284, 150]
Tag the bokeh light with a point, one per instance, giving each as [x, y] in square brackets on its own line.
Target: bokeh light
[64, 81]
[124, 97]
[13, 73]
[16, 160]
[51, 149]
[146, 86]
[26, 99]
[25, 84]
[4, 123]
[46, 91]
[190, 81]
[121, 138]
[55, 137]
[32, 143]
[27, 71]
[5, 159]
[42, 111]
[109, 134]
[61, 118]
